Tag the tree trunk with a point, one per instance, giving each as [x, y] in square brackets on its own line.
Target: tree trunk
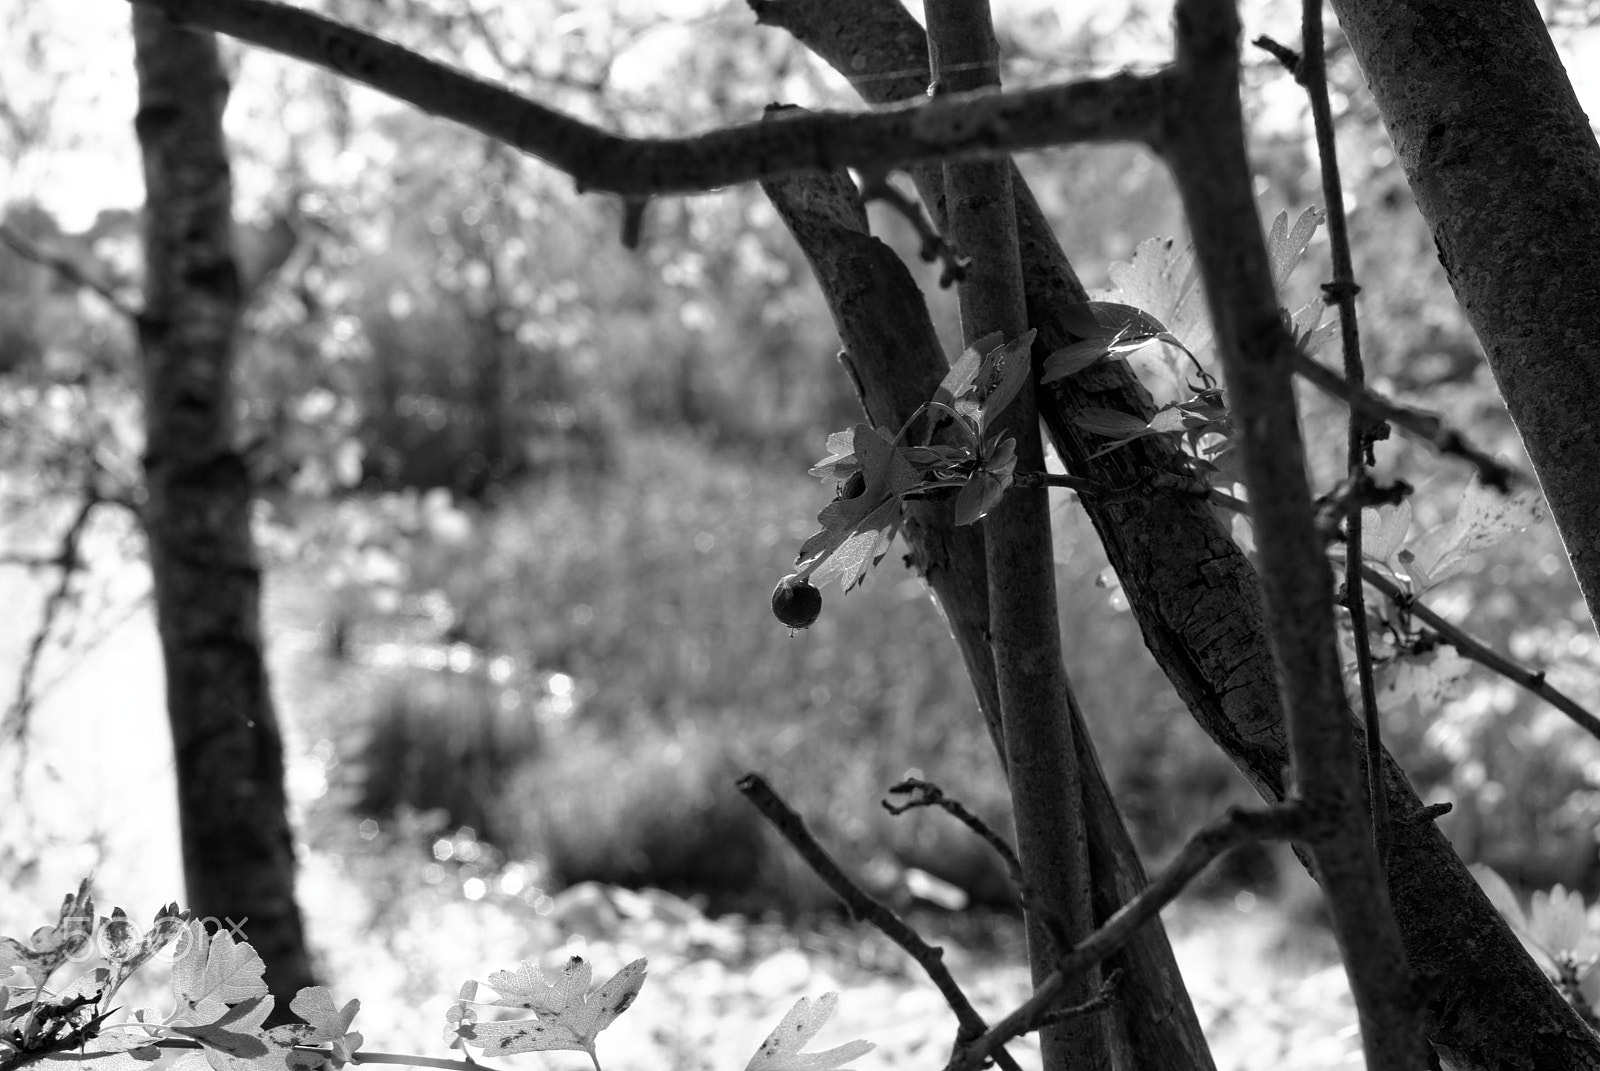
[1198, 603]
[896, 360]
[238, 853]
[1506, 170]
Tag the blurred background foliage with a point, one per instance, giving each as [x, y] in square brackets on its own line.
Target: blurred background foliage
[525, 491]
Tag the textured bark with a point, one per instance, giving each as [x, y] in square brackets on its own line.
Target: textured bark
[1506, 170]
[238, 854]
[1206, 147]
[1198, 602]
[1025, 637]
[895, 357]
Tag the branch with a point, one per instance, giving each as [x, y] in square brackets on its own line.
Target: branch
[1482, 654]
[864, 908]
[1312, 72]
[1284, 822]
[928, 794]
[65, 267]
[1424, 426]
[1123, 107]
[15, 722]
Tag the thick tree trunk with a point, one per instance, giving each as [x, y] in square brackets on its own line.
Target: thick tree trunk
[1198, 602]
[238, 854]
[895, 357]
[1506, 171]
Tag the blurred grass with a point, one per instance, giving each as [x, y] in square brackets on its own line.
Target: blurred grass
[648, 592]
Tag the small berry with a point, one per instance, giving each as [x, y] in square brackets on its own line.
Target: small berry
[796, 603]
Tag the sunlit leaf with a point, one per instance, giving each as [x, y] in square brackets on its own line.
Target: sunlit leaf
[1286, 244]
[781, 1050]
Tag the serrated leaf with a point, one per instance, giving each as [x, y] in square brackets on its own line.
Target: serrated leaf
[236, 1039]
[1163, 279]
[216, 970]
[48, 947]
[569, 1018]
[1384, 530]
[107, 1052]
[1484, 519]
[1171, 420]
[781, 1050]
[860, 528]
[128, 950]
[1286, 244]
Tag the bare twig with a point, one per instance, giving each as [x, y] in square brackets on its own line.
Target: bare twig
[1424, 426]
[65, 267]
[15, 722]
[1467, 646]
[1056, 479]
[1482, 654]
[875, 186]
[1285, 821]
[1123, 107]
[927, 794]
[1311, 71]
[864, 908]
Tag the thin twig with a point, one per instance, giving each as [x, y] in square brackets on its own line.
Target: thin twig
[1424, 426]
[864, 908]
[1055, 479]
[1477, 651]
[15, 722]
[1285, 821]
[1468, 647]
[928, 794]
[875, 186]
[1312, 73]
[65, 267]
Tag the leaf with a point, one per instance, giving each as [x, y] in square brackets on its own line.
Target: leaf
[1164, 280]
[324, 1023]
[986, 487]
[50, 946]
[214, 971]
[858, 529]
[964, 371]
[567, 1016]
[128, 950]
[1484, 519]
[1004, 370]
[781, 1050]
[1383, 532]
[1070, 360]
[1286, 244]
[1111, 423]
[236, 1039]
[108, 1052]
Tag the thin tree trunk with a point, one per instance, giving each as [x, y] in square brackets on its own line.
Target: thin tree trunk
[896, 360]
[1024, 633]
[1506, 170]
[1198, 603]
[238, 854]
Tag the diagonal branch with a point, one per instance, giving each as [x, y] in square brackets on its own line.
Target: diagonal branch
[865, 909]
[1123, 107]
[1282, 822]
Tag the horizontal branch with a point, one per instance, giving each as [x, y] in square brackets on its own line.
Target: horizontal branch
[1237, 827]
[1123, 107]
[65, 267]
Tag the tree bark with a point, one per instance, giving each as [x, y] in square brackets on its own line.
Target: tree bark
[1198, 602]
[1024, 633]
[1506, 171]
[895, 358]
[1206, 147]
[238, 852]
